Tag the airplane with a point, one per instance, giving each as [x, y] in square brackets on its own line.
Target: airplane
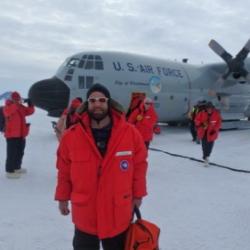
[174, 86]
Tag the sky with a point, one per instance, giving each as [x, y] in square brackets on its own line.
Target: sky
[37, 36]
[196, 207]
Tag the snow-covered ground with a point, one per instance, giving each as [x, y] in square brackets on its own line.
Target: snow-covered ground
[197, 208]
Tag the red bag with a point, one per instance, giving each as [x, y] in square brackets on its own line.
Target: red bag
[157, 129]
[142, 235]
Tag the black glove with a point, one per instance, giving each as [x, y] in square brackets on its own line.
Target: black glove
[28, 101]
[212, 132]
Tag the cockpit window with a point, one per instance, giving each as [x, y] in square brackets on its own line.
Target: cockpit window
[73, 62]
[91, 62]
[85, 82]
[89, 81]
[98, 63]
[82, 61]
[98, 58]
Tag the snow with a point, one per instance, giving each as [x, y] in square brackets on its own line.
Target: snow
[197, 208]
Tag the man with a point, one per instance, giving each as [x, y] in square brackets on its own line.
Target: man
[68, 117]
[135, 102]
[16, 130]
[144, 118]
[191, 115]
[208, 123]
[102, 166]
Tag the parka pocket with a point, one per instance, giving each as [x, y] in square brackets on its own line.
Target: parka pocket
[80, 160]
[81, 171]
[123, 208]
[79, 199]
[80, 155]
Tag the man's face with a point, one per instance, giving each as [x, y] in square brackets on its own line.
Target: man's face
[17, 101]
[97, 106]
[209, 110]
[147, 104]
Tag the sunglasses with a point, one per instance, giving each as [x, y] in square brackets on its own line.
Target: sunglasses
[148, 103]
[97, 99]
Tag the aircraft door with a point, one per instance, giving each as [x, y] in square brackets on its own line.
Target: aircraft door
[174, 98]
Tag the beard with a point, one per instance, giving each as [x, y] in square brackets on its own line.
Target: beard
[98, 116]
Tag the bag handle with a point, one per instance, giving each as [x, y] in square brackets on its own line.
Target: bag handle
[137, 212]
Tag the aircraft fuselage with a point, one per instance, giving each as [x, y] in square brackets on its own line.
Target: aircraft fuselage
[173, 86]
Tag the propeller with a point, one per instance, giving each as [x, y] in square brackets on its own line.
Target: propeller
[236, 65]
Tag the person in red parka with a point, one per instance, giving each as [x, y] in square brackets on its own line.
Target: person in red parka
[68, 117]
[208, 123]
[102, 165]
[16, 130]
[144, 118]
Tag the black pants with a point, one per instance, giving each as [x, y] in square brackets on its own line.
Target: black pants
[206, 147]
[193, 130]
[84, 241]
[15, 152]
[147, 143]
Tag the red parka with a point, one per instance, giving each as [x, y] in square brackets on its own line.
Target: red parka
[15, 122]
[66, 120]
[144, 121]
[101, 189]
[208, 124]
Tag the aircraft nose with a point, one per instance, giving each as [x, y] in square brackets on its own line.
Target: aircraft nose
[51, 95]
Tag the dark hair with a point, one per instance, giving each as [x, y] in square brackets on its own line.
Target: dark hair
[99, 88]
[202, 103]
[79, 98]
[209, 105]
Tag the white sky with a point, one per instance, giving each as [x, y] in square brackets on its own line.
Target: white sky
[36, 36]
[196, 208]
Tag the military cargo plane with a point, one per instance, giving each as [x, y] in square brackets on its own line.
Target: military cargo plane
[174, 86]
